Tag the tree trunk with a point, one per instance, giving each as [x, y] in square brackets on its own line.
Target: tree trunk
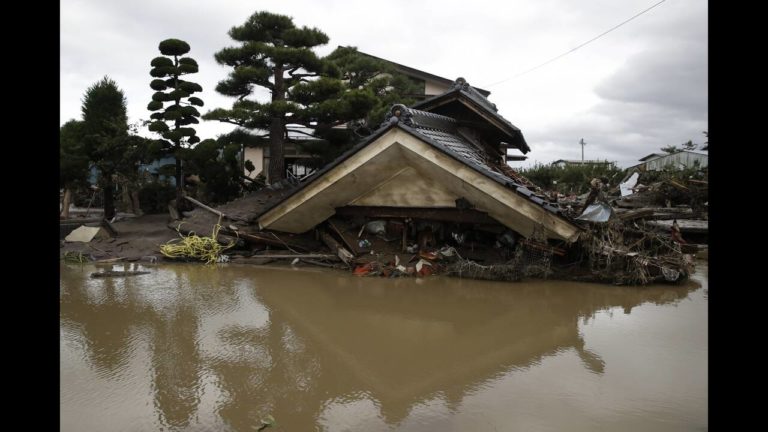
[109, 197]
[179, 181]
[276, 155]
[276, 138]
[136, 204]
[65, 203]
[125, 196]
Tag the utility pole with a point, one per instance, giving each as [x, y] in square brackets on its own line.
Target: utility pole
[581, 141]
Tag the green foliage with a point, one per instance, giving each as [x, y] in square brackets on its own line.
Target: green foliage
[218, 165]
[389, 87]
[173, 47]
[154, 197]
[158, 84]
[690, 146]
[161, 62]
[314, 93]
[107, 140]
[174, 90]
[104, 109]
[571, 179]
[671, 149]
[73, 163]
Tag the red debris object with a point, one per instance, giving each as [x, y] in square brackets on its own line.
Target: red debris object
[364, 269]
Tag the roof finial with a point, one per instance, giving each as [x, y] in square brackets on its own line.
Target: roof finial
[398, 113]
[461, 83]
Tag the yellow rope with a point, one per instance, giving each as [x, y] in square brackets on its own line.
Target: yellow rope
[193, 246]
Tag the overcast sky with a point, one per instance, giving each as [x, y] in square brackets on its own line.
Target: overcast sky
[628, 93]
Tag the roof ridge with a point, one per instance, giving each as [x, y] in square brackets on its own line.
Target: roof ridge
[400, 113]
[472, 92]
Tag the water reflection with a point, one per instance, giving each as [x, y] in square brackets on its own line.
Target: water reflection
[296, 344]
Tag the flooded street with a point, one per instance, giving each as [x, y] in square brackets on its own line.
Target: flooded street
[195, 348]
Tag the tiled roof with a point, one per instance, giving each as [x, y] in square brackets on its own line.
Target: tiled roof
[465, 92]
[440, 132]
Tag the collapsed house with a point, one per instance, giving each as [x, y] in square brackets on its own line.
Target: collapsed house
[430, 192]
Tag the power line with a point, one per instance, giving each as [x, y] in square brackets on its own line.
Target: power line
[574, 49]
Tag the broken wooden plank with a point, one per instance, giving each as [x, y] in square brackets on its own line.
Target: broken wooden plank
[108, 227]
[319, 263]
[677, 184]
[686, 225]
[251, 260]
[546, 248]
[350, 244]
[342, 253]
[203, 206]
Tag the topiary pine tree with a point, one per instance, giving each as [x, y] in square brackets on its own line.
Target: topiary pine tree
[181, 111]
[306, 93]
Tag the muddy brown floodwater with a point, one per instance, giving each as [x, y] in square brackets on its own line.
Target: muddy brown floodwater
[195, 348]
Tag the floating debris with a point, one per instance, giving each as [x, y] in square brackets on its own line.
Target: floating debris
[113, 273]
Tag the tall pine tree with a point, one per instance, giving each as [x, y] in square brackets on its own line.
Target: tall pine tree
[306, 92]
[169, 87]
[105, 135]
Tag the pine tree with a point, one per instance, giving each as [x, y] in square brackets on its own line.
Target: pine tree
[169, 86]
[306, 93]
[105, 135]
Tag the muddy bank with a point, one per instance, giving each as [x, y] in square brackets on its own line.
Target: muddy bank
[137, 238]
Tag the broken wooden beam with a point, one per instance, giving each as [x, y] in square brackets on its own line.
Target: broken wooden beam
[350, 244]
[108, 227]
[203, 206]
[543, 247]
[263, 238]
[340, 251]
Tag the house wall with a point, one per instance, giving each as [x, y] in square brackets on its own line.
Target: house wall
[150, 170]
[677, 161]
[434, 88]
[256, 156]
[380, 173]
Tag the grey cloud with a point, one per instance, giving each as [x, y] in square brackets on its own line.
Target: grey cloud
[673, 77]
